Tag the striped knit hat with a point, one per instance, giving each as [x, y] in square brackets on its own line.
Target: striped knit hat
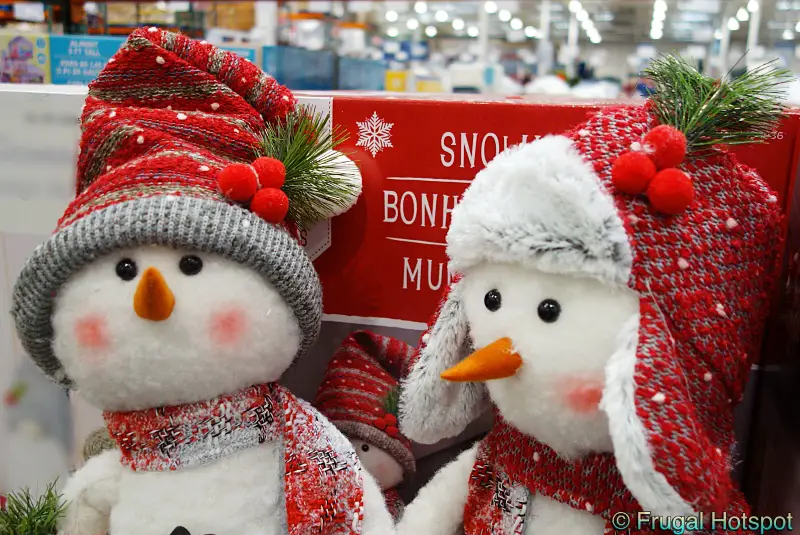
[360, 391]
[172, 153]
[647, 199]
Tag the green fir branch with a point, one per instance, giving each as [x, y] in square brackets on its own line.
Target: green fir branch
[26, 515]
[315, 185]
[392, 400]
[709, 112]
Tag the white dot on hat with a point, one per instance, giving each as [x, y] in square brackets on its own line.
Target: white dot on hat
[152, 29]
[731, 223]
[205, 168]
[683, 263]
[721, 310]
[707, 377]
[633, 219]
[772, 198]
[589, 507]
[285, 97]
[583, 133]
[112, 114]
[719, 451]
[244, 80]
[181, 116]
[108, 168]
[160, 60]
[112, 60]
[425, 338]
[215, 106]
[659, 398]
[536, 456]
[140, 140]
[636, 146]
[236, 130]
[203, 42]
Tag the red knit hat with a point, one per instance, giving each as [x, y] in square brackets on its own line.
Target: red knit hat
[360, 390]
[181, 146]
[701, 255]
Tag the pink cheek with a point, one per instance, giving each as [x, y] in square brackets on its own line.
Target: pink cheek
[91, 333]
[583, 396]
[228, 326]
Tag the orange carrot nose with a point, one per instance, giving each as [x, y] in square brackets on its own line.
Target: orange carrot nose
[495, 361]
[153, 300]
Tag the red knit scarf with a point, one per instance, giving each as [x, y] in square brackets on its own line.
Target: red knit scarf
[394, 503]
[322, 485]
[512, 467]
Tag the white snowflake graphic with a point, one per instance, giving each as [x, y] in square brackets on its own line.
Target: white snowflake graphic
[374, 134]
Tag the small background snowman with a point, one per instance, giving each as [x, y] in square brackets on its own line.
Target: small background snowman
[359, 394]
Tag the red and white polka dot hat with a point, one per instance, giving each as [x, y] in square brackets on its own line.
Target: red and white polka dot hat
[641, 197]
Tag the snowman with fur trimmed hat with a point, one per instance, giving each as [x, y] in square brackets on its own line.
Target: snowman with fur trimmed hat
[174, 294]
[611, 289]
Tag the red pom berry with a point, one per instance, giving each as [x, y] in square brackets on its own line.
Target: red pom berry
[391, 419]
[270, 204]
[668, 145]
[238, 182]
[632, 172]
[380, 423]
[271, 172]
[392, 431]
[671, 191]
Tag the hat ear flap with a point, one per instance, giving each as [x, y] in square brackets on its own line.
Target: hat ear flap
[432, 409]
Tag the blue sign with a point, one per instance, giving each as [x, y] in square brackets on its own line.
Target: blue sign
[247, 53]
[361, 74]
[300, 69]
[78, 59]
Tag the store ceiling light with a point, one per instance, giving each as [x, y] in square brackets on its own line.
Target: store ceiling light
[788, 35]
[516, 24]
[504, 15]
[659, 15]
[392, 16]
[441, 15]
[587, 25]
[458, 24]
[412, 24]
[582, 15]
[472, 31]
[733, 24]
[595, 39]
[660, 5]
[742, 14]
[797, 28]
[575, 6]
[431, 31]
[531, 32]
[656, 34]
[752, 6]
[657, 25]
[490, 7]
[392, 32]
[421, 7]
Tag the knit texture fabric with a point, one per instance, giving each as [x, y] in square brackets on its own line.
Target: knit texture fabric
[163, 118]
[394, 503]
[358, 389]
[322, 476]
[705, 278]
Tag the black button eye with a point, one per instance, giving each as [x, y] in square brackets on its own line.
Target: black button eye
[191, 264]
[492, 300]
[549, 310]
[365, 447]
[126, 269]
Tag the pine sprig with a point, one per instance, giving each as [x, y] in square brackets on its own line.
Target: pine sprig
[392, 401]
[315, 184]
[26, 515]
[709, 112]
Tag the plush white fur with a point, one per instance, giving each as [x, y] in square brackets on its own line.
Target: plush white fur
[351, 174]
[542, 205]
[90, 494]
[556, 356]
[432, 409]
[438, 508]
[382, 466]
[634, 460]
[150, 364]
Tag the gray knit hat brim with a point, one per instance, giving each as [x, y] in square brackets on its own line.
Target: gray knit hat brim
[179, 222]
[379, 438]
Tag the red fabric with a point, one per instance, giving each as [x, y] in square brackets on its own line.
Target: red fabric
[667, 146]
[632, 172]
[158, 122]
[671, 191]
[706, 278]
[322, 484]
[394, 503]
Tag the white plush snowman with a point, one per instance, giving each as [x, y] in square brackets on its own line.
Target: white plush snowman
[174, 294]
[359, 395]
[612, 284]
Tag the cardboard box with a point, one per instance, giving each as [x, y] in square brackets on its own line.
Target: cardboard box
[383, 264]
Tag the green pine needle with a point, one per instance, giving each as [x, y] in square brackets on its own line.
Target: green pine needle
[392, 400]
[736, 111]
[314, 184]
[26, 515]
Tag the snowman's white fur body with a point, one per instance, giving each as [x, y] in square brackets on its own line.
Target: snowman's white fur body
[578, 346]
[136, 364]
[382, 466]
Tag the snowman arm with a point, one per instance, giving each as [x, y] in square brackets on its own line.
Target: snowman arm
[90, 494]
[438, 508]
[377, 520]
